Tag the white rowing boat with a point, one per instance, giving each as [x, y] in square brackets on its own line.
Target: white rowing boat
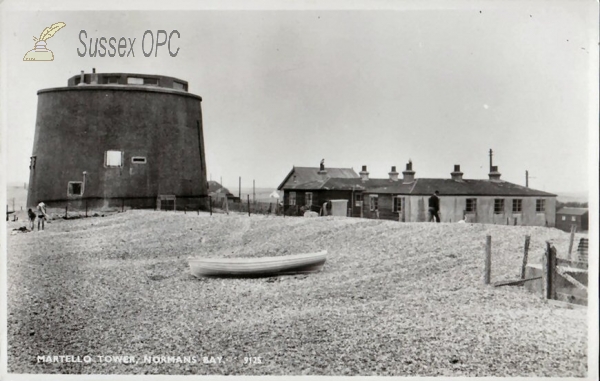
[265, 266]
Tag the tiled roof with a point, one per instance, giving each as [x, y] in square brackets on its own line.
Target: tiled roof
[215, 187]
[451, 187]
[310, 178]
[573, 211]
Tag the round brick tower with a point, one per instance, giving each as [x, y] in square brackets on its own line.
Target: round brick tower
[118, 139]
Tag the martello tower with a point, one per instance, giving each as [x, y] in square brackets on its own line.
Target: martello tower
[106, 139]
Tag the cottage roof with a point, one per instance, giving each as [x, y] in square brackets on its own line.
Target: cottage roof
[215, 187]
[450, 187]
[474, 187]
[573, 211]
[310, 178]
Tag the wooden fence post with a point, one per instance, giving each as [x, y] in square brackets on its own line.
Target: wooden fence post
[525, 255]
[549, 271]
[67, 210]
[122, 205]
[248, 205]
[571, 239]
[488, 260]
[210, 204]
[86, 208]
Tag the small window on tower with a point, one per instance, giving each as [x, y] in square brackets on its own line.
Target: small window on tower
[75, 188]
[138, 160]
[114, 159]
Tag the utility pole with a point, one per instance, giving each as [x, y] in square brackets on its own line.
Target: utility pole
[253, 192]
[527, 177]
[240, 188]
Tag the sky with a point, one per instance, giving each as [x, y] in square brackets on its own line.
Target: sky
[373, 86]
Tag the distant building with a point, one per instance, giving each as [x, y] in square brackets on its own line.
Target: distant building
[311, 187]
[492, 201]
[567, 217]
[108, 139]
[218, 193]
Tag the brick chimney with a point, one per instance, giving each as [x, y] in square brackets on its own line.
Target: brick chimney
[364, 175]
[494, 174]
[456, 174]
[393, 174]
[408, 174]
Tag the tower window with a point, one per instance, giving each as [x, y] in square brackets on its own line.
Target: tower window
[179, 86]
[151, 81]
[113, 159]
[75, 188]
[138, 160]
[135, 81]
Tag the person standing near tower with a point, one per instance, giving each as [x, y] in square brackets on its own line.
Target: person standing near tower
[41, 214]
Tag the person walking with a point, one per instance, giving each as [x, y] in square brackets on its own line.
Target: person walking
[41, 214]
[434, 207]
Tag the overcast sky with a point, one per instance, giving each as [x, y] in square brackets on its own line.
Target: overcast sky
[373, 87]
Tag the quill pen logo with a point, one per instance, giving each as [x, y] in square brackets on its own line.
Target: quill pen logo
[40, 52]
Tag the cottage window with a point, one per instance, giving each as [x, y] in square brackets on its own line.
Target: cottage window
[564, 218]
[471, 205]
[540, 205]
[113, 159]
[358, 197]
[374, 202]
[573, 218]
[517, 205]
[292, 198]
[397, 205]
[75, 188]
[498, 206]
[308, 198]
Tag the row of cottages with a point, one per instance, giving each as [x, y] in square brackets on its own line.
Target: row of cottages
[492, 201]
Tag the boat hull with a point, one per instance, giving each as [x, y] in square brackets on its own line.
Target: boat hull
[256, 267]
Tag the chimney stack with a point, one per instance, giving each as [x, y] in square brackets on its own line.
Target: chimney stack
[393, 174]
[457, 174]
[82, 78]
[408, 174]
[94, 80]
[494, 174]
[364, 175]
